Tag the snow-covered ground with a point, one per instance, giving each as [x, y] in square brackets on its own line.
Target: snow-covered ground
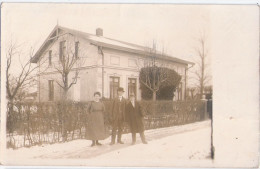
[187, 145]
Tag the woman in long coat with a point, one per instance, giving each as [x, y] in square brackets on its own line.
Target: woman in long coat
[134, 117]
[96, 129]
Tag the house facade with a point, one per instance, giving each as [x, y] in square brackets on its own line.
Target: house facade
[102, 64]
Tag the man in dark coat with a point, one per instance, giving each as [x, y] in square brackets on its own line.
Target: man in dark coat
[134, 117]
[118, 116]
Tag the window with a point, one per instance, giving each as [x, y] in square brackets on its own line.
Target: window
[114, 84]
[50, 58]
[76, 49]
[132, 86]
[62, 50]
[51, 90]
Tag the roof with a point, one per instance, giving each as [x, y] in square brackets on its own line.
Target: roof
[103, 42]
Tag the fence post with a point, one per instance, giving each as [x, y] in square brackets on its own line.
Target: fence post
[204, 101]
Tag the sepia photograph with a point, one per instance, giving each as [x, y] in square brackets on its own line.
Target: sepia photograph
[128, 85]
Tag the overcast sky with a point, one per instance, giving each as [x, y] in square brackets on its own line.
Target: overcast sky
[175, 27]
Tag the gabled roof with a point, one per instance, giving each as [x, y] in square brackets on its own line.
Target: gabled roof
[103, 42]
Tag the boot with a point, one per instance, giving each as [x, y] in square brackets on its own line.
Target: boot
[97, 143]
[133, 138]
[93, 143]
[119, 139]
[113, 138]
[143, 138]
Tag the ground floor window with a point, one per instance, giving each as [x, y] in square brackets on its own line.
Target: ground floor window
[132, 86]
[51, 90]
[114, 85]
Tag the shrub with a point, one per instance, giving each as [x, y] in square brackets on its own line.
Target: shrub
[36, 123]
[154, 75]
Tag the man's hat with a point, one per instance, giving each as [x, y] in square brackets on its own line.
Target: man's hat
[120, 89]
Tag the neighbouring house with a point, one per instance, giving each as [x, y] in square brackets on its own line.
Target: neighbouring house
[105, 64]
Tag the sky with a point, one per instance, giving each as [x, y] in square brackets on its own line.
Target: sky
[171, 25]
[174, 28]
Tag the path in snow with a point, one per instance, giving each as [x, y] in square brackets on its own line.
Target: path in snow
[191, 141]
[82, 149]
[90, 152]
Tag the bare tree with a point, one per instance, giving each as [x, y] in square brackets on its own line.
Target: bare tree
[19, 81]
[69, 62]
[152, 75]
[15, 84]
[201, 74]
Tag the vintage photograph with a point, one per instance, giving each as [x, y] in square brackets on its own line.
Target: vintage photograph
[107, 84]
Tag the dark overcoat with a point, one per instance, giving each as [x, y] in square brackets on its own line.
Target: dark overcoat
[134, 117]
[118, 110]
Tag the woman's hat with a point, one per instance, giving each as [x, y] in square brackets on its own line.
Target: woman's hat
[120, 89]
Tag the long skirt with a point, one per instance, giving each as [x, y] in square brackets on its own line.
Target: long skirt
[96, 129]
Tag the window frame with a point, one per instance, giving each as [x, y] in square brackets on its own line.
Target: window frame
[62, 49]
[50, 57]
[130, 86]
[51, 90]
[113, 89]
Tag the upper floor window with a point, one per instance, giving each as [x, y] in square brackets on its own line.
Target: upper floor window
[50, 57]
[51, 90]
[77, 49]
[62, 50]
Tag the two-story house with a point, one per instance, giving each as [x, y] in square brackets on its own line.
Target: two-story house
[103, 65]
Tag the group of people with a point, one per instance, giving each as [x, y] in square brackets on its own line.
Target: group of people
[121, 111]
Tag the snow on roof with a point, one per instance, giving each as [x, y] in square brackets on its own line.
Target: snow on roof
[104, 42]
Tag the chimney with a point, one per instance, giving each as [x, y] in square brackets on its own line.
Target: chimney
[99, 32]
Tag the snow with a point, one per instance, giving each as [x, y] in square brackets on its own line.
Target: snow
[178, 146]
[114, 42]
[240, 145]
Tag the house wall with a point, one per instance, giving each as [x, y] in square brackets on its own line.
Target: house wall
[120, 64]
[87, 64]
[116, 63]
[127, 65]
[88, 84]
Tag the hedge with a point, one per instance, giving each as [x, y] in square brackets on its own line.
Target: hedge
[31, 124]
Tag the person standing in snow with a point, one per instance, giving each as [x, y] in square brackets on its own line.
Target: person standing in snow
[117, 117]
[134, 117]
[96, 128]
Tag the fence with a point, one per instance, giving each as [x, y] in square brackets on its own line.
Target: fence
[31, 124]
